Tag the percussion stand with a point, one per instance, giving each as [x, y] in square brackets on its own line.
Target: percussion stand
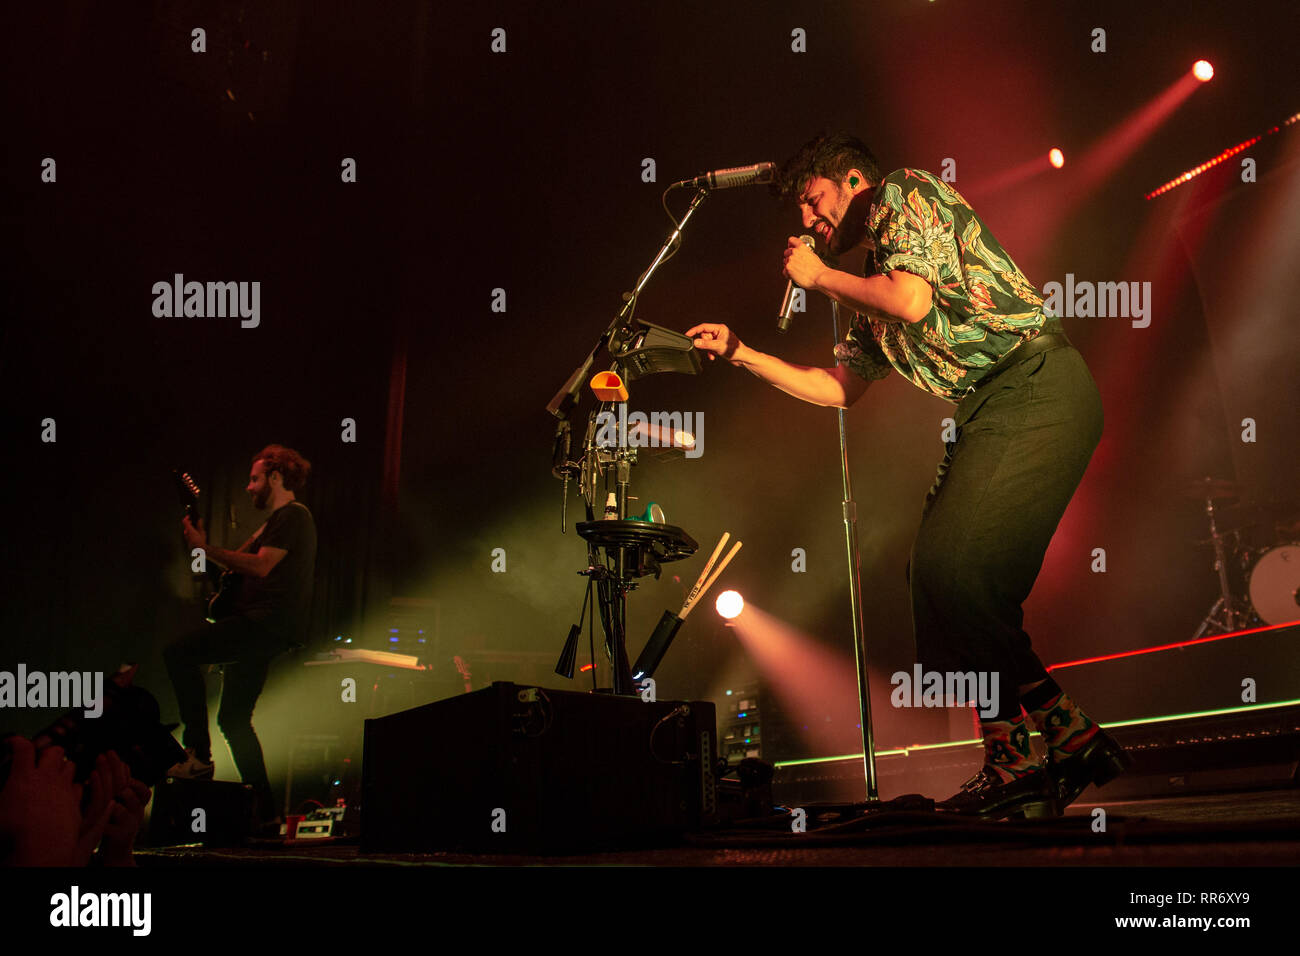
[633, 550]
[605, 587]
[615, 585]
[635, 547]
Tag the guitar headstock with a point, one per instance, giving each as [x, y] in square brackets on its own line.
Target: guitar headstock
[188, 488]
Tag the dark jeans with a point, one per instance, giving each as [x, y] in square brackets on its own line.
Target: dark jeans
[246, 650]
[1022, 445]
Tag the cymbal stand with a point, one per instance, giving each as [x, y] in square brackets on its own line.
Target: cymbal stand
[1222, 618]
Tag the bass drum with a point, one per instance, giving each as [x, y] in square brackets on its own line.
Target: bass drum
[1275, 585]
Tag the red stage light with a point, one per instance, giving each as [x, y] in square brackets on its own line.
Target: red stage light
[1226, 154]
[1203, 71]
[1056, 158]
[1208, 164]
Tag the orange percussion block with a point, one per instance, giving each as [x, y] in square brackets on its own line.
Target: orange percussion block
[609, 387]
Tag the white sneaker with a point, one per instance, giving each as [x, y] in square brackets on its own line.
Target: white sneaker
[192, 768]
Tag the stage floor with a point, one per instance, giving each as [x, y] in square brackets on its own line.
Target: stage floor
[1258, 828]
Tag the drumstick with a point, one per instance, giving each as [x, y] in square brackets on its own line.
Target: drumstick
[686, 609]
[713, 558]
[722, 567]
[671, 623]
[726, 535]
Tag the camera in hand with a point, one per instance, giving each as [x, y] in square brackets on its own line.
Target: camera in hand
[129, 725]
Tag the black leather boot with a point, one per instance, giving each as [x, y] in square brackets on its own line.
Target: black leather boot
[987, 797]
[1100, 761]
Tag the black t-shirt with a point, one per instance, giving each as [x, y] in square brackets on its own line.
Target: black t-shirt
[281, 601]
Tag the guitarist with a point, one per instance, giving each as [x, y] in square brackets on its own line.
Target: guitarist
[269, 615]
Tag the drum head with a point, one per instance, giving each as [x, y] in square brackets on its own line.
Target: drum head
[1275, 585]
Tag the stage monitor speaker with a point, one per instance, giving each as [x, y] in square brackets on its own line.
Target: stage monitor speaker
[521, 769]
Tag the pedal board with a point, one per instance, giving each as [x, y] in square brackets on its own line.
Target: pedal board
[323, 824]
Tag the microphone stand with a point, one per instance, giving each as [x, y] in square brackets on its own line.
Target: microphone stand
[850, 510]
[620, 329]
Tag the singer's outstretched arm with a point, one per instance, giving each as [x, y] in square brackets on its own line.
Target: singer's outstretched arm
[832, 387]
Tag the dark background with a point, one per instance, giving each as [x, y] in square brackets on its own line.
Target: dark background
[522, 171]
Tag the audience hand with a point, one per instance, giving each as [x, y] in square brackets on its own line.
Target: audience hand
[130, 797]
[40, 808]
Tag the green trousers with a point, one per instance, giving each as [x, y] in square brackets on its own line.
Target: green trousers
[1022, 444]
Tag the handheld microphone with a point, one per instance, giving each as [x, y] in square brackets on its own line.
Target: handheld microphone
[787, 304]
[735, 176]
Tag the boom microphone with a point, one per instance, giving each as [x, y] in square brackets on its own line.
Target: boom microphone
[726, 178]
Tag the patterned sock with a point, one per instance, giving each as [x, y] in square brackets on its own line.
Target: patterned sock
[1006, 748]
[1064, 726]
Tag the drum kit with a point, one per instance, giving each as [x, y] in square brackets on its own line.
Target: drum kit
[1259, 575]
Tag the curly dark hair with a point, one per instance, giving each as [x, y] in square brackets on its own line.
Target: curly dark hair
[293, 468]
[829, 154]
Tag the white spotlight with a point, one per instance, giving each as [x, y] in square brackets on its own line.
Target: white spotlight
[729, 604]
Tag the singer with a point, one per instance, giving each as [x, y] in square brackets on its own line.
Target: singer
[942, 302]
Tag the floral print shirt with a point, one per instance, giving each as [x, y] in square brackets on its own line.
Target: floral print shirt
[983, 306]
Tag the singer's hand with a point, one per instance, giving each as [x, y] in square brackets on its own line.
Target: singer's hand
[194, 537]
[716, 340]
[802, 265]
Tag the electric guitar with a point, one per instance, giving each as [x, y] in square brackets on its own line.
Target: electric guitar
[226, 583]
